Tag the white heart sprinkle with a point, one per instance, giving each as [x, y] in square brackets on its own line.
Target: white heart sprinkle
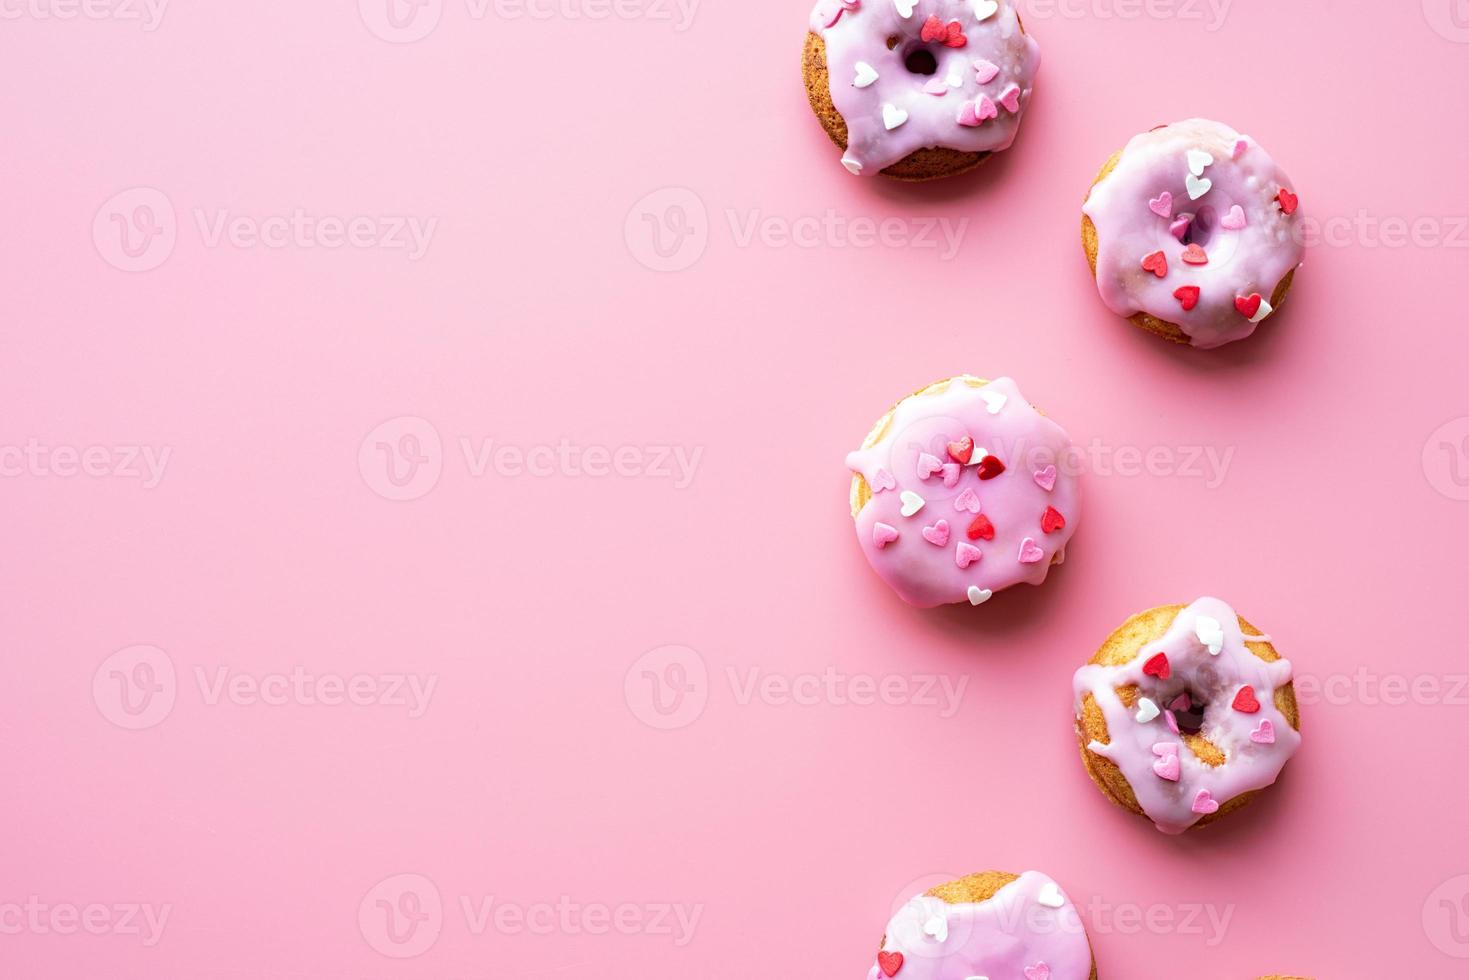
[866, 75]
[979, 453]
[994, 401]
[1197, 186]
[905, 7]
[1146, 710]
[1265, 310]
[892, 116]
[978, 596]
[912, 503]
[1197, 161]
[985, 9]
[955, 79]
[937, 927]
[1051, 896]
[854, 166]
[1210, 633]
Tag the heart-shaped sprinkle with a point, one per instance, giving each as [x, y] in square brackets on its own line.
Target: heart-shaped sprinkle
[1146, 710]
[882, 534]
[951, 473]
[912, 503]
[853, 166]
[981, 527]
[866, 75]
[978, 596]
[937, 533]
[1246, 701]
[1168, 766]
[905, 7]
[1240, 146]
[1158, 666]
[967, 500]
[990, 467]
[1038, 972]
[1210, 633]
[1205, 803]
[1010, 98]
[960, 450]
[994, 401]
[1234, 219]
[1162, 205]
[1253, 307]
[1172, 721]
[985, 71]
[1195, 254]
[1181, 703]
[1188, 296]
[1030, 552]
[985, 9]
[1264, 732]
[1050, 896]
[1156, 263]
[950, 34]
[937, 928]
[936, 86]
[1197, 186]
[883, 480]
[1197, 161]
[966, 554]
[1046, 478]
[1052, 521]
[976, 112]
[1179, 228]
[955, 78]
[892, 116]
[890, 963]
[1288, 202]
[928, 465]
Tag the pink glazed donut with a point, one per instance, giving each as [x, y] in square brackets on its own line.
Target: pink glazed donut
[917, 89]
[1193, 233]
[1185, 713]
[964, 489]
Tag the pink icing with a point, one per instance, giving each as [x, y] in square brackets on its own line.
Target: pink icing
[1014, 502]
[1177, 797]
[1013, 934]
[1126, 209]
[965, 116]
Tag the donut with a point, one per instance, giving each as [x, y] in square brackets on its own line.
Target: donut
[961, 490]
[1185, 713]
[1193, 233]
[991, 924]
[918, 89]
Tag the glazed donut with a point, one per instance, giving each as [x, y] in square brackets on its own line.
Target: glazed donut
[1185, 713]
[991, 924]
[961, 490]
[1193, 233]
[917, 89]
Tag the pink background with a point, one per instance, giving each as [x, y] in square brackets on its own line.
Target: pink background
[534, 318]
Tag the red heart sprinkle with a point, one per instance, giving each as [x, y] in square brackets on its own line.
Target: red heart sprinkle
[1288, 201]
[891, 963]
[1195, 254]
[981, 527]
[1245, 700]
[1248, 306]
[1158, 666]
[1188, 296]
[1052, 520]
[962, 450]
[990, 467]
[1156, 263]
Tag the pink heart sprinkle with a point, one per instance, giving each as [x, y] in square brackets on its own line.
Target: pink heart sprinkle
[1162, 205]
[1204, 803]
[1240, 146]
[883, 480]
[1168, 765]
[1234, 220]
[951, 473]
[1181, 703]
[985, 70]
[928, 465]
[1179, 228]
[976, 112]
[1264, 733]
[1163, 749]
[1046, 478]
[936, 86]
[937, 533]
[1172, 721]
[966, 554]
[1010, 98]
[882, 534]
[1038, 972]
[1030, 552]
[967, 500]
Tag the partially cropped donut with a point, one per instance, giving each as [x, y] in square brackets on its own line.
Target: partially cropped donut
[1185, 713]
[918, 89]
[1193, 233]
[992, 924]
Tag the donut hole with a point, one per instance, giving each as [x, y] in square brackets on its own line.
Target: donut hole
[920, 61]
[1202, 228]
[1191, 719]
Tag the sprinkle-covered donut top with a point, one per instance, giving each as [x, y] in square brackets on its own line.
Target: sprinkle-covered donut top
[909, 74]
[1199, 666]
[963, 490]
[1196, 226]
[1028, 929]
